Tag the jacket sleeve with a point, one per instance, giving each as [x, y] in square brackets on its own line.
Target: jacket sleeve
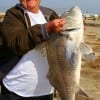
[17, 37]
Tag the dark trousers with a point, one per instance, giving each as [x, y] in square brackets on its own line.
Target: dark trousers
[7, 95]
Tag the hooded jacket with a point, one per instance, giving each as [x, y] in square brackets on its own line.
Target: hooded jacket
[19, 36]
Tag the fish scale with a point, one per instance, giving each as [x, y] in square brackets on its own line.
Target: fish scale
[60, 69]
[64, 51]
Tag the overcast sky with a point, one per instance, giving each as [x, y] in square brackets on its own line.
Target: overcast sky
[91, 6]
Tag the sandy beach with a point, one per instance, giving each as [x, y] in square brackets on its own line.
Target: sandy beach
[90, 73]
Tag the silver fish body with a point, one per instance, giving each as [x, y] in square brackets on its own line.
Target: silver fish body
[62, 75]
[64, 55]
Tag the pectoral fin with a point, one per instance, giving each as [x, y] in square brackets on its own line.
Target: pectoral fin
[89, 57]
[85, 49]
[87, 52]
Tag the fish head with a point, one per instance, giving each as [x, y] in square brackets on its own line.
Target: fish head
[73, 27]
[74, 19]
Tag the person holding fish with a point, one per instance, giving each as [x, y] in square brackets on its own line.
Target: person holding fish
[25, 26]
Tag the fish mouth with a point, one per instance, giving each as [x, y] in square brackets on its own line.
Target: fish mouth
[72, 29]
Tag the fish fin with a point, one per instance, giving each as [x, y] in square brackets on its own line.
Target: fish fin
[87, 52]
[81, 97]
[89, 57]
[81, 91]
[85, 49]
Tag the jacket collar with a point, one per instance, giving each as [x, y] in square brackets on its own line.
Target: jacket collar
[46, 12]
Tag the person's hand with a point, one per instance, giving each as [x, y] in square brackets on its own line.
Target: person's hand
[55, 25]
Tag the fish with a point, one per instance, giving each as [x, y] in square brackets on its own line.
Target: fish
[64, 53]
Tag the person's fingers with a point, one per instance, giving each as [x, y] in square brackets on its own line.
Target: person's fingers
[55, 25]
[61, 22]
